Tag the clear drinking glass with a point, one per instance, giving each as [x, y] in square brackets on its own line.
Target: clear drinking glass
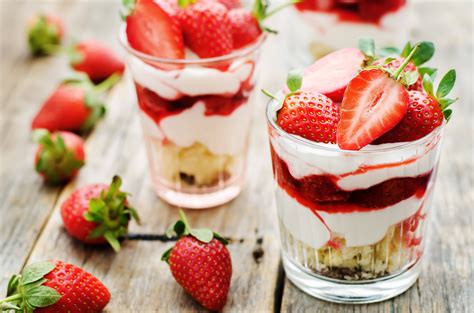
[325, 25]
[352, 222]
[196, 116]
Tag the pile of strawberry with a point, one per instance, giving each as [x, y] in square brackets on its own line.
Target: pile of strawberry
[355, 97]
[210, 28]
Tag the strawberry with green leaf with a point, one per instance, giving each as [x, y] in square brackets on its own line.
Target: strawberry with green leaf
[200, 263]
[76, 105]
[425, 110]
[59, 156]
[45, 33]
[99, 213]
[55, 287]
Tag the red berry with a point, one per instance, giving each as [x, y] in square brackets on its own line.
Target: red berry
[57, 287]
[96, 60]
[422, 117]
[152, 30]
[373, 104]
[207, 29]
[310, 115]
[373, 10]
[58, 162]
[203, 269]
[331, 74]
[245, 28]
[98, 213]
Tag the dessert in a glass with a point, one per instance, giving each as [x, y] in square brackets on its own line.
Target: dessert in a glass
[194, 67]
[335, 24]
[355, 147]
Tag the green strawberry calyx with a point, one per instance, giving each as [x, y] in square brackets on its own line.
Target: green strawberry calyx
[440, 94]
[93, 98]
[182, 228]
[294, 82]
[261, 12]
[56, 162]
[111, 213]
[26, 292]
[43, 37]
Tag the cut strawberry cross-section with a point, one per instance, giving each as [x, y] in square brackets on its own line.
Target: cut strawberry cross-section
[331, 74]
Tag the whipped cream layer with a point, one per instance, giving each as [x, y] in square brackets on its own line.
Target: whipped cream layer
[221, 134]
[191, 81]
[356, 171]
[358, 228]
[393, 29]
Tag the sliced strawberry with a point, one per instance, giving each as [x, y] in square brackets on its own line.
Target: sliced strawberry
[151, 30]
[331, 74]
[373, 104]
[230, 4]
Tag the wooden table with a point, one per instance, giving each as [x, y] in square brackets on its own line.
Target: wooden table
[31, 228]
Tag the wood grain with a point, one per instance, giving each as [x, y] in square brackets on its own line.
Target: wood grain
[31, 228]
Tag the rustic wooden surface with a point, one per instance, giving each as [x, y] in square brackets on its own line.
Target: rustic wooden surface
[30, 225]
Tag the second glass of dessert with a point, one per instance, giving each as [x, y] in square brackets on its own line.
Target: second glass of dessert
[355, 142]
[194, 70]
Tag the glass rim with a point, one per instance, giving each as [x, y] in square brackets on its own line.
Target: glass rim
[235, 54]
[270, 114]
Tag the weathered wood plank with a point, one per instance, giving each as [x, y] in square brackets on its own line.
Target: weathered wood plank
[445, 284]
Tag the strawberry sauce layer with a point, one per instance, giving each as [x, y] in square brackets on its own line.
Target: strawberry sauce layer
[158, 108]
[357, 11]
[320, 192]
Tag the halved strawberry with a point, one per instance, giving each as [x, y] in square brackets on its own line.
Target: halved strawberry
[331, 74]
[373, 104]
[151, 30]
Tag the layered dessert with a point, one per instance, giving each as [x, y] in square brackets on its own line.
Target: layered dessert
[194, 67]
[339, 23]
[355, 141]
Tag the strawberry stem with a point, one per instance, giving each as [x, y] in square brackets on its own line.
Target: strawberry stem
[11, 298]
[405, 63]
[278, 8]
[108, 83]
[184, 219]
[268, 94]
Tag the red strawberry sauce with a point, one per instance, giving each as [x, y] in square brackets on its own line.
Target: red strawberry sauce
[320, 192]
[356, 11]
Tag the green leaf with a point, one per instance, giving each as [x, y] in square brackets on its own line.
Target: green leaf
[179, 228]
[446, 84]
[294, 80]
[406, 50]
[112, 240]
[166, 256]
[428, 84]
[221, 239]
[424, 53]
[427, 70]
[447, 114]
[36, 271]
[446, 102]
[97, 206]
[367, 46]
[388, 60]
[40, 135]
[202, 234]
[388, 51]
[42, 296]
[98, 232]
[134, 214]
[12, 284]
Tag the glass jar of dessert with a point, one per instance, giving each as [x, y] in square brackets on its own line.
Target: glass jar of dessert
[334, 24]
[354, 163]
[194, 77]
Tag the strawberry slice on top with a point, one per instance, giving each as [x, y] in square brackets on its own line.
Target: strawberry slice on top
[374, 103]
[152, 30]
[331, 74]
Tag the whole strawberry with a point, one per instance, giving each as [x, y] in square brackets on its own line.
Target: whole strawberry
[59, 156]
[200, 263]
[96, 60]
[97, 214]
[45, 33]
[206, 27]
[308, 114]
[75, 105]
[425, 111]
[55, 287]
